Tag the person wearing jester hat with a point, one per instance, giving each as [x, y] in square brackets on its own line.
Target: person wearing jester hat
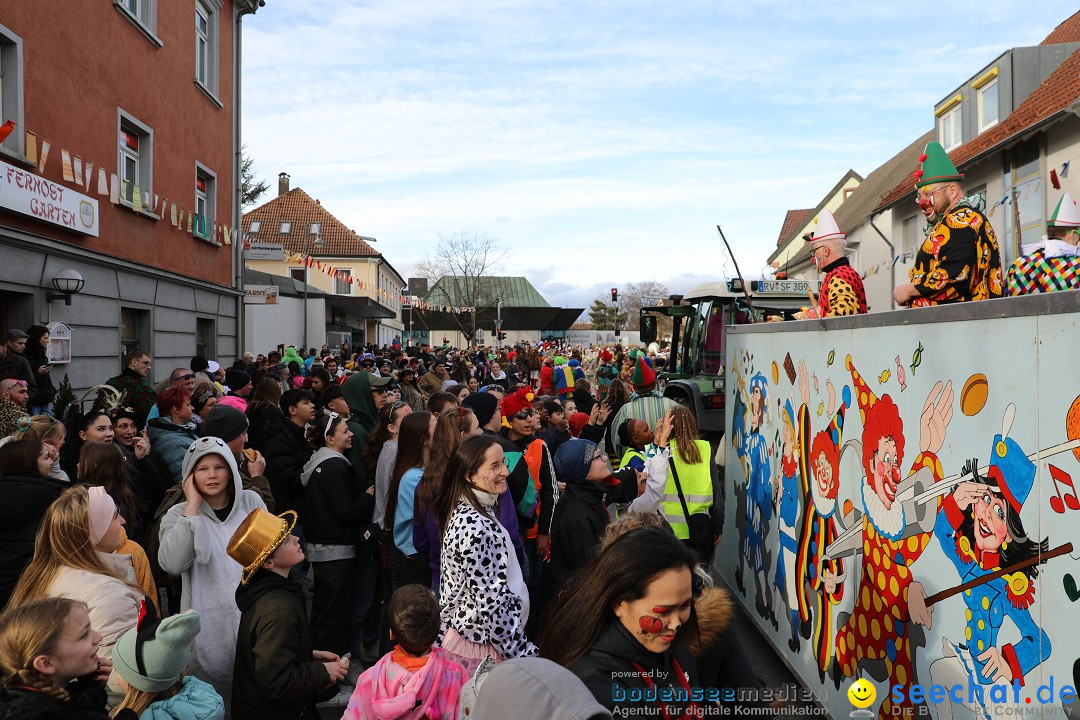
[891, 534]
[753, 449]
[959, 259]
[1054, 263]
[647, 403]
[842, 290]
[980, 531]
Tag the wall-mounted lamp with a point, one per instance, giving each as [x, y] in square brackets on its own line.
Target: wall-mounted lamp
[316, 230]
[66, 283]
[365, 238]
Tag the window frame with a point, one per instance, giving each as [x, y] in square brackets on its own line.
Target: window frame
[126, 122]
[980, 102]
[209, 198]
[12, 89]
[953, 115]
[211, 10]
[342, 287]
[144, 17]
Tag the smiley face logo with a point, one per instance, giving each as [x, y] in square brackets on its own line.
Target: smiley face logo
[861, 694]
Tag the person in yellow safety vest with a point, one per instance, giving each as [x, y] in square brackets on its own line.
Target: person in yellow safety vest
[636, 436]
[692, 459]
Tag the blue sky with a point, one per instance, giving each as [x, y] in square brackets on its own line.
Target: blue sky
[601, 142]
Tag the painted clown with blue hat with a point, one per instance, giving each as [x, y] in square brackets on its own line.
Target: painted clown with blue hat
[980, 530]
[753, 449]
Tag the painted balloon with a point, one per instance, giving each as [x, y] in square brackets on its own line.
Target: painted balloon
[1072, 424]
[973, 396]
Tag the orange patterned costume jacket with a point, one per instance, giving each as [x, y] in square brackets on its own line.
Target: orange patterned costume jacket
[958, 260]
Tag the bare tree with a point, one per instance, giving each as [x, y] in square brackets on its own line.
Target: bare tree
[645, 294]
[460, 272]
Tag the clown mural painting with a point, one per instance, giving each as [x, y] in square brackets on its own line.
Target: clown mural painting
[891, 535]
[980, 531]
[753, 450]
[819, 462]
[789, 489]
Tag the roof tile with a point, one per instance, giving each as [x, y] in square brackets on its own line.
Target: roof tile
[1066, 32]
[794, 220]
[299, 208]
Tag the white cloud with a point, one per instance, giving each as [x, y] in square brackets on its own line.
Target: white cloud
[616, 134]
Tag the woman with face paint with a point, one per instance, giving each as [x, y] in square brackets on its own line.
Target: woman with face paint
[615, 626]
[483, 598]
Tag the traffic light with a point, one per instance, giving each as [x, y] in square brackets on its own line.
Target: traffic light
[614, 295]
[502, 335]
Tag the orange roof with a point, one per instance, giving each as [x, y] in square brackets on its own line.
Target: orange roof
[1066, 32]
[299, 208]
[794, 220]
[1060, 90]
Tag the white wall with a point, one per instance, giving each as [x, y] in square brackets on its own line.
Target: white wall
[267, 326]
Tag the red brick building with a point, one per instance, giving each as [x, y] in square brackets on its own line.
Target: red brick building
[145, 90]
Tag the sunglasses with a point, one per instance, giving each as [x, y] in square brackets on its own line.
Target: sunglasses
[329, 425]
[523, 415]
[189, 376]
[17, 383]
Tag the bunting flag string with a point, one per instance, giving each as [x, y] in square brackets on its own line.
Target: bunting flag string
[345, 276]
[80, 172]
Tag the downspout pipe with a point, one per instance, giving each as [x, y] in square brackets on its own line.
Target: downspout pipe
[242, 8]
[892, 265]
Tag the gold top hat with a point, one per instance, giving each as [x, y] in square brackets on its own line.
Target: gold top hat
[258, 537]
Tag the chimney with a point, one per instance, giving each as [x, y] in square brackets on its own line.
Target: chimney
[282, 183]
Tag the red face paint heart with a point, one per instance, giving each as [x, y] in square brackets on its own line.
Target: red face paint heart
[650, 625]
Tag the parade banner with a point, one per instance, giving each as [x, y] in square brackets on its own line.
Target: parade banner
[28, 194]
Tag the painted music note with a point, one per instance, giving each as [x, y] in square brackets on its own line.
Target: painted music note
[1070, 498]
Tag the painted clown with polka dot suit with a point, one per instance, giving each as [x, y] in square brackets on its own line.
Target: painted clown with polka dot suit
[893, 535]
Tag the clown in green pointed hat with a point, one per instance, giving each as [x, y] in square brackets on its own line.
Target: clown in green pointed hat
[936, 167]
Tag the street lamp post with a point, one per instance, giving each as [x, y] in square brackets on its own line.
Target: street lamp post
[315, 231]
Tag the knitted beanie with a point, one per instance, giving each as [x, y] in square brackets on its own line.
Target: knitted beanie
[224, 422]
[165, 652]
[483, 405]
[236, 380]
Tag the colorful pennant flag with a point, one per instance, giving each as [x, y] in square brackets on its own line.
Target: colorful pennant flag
[31, 148]
[45, 145]
[65, 158]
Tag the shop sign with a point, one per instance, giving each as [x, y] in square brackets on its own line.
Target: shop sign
[25, 193]
[260, 294]
[254, 250]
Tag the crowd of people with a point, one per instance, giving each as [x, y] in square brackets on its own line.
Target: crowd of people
[404, 532]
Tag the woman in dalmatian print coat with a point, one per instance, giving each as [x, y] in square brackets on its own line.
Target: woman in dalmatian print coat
[483, 598]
